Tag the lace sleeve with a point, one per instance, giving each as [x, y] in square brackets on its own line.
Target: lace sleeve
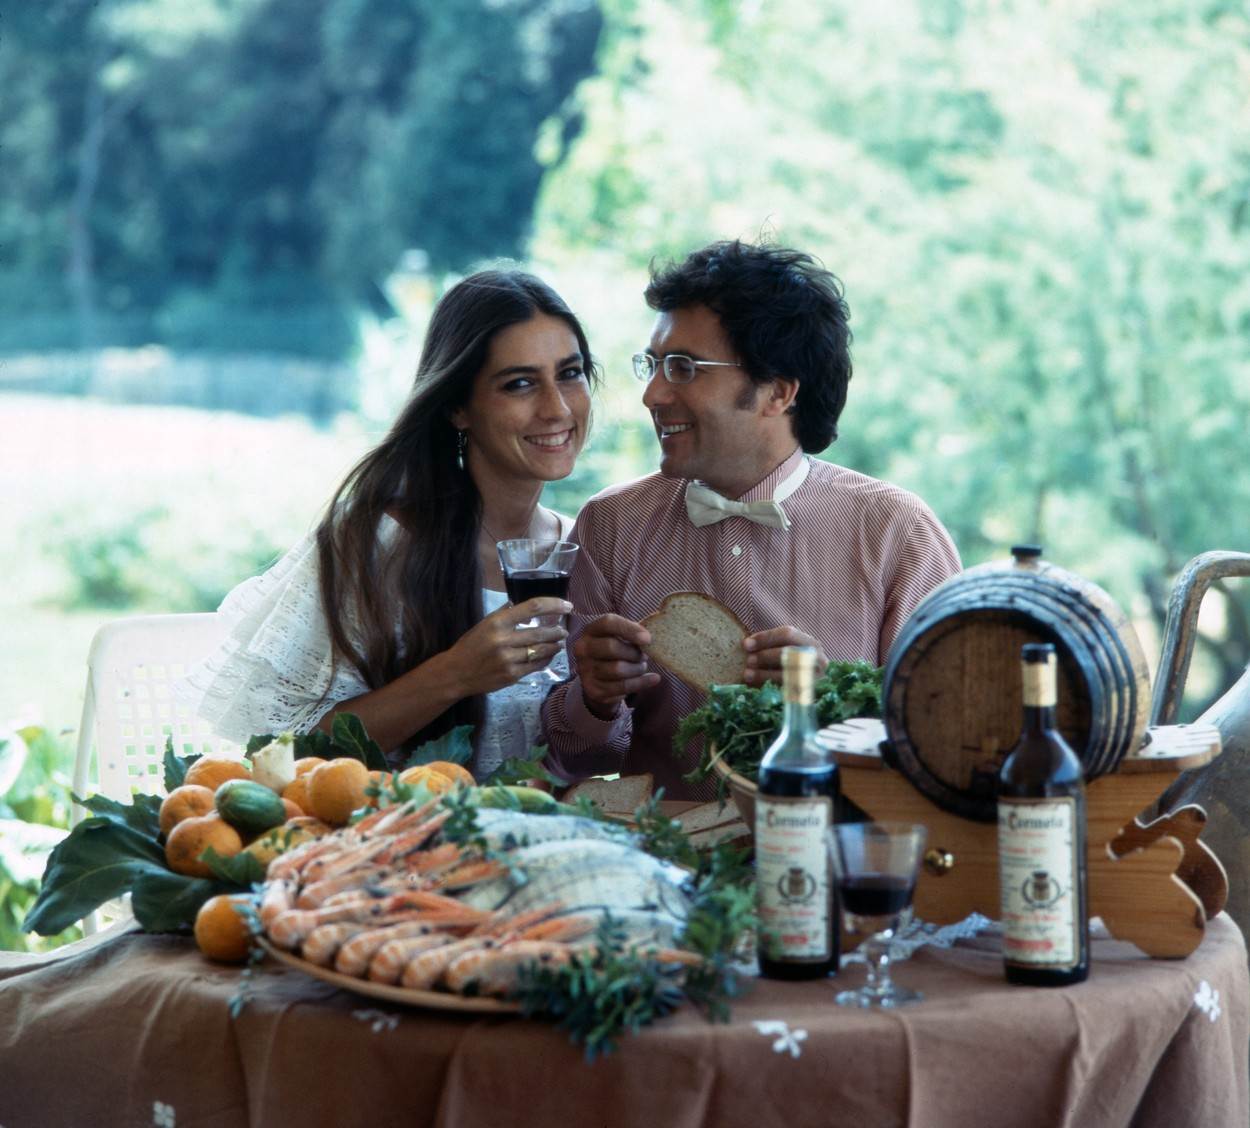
[273, 672]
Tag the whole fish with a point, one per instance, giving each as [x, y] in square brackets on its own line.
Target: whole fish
[579, 871]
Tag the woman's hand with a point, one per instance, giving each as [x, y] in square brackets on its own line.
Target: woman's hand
[494, 653]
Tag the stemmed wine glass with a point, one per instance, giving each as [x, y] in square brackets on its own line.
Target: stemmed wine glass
[533, 567]
[876, 864]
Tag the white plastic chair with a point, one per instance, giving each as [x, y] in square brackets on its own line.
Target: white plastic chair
[130, 709]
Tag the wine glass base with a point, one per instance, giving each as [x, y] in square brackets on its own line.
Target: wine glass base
[882, 999]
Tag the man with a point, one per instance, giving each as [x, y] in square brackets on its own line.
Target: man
[746, 375]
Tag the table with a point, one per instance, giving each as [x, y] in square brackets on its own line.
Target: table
[134, 1029]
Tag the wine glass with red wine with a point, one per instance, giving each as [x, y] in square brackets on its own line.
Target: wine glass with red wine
[533, 567]
[877, 864]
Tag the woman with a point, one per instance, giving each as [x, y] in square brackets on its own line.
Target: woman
[394, 609]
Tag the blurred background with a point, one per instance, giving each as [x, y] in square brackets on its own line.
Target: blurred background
[223, 224]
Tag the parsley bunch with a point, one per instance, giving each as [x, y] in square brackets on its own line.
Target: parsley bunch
[741, 722]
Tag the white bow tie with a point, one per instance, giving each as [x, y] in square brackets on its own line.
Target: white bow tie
[704, 506]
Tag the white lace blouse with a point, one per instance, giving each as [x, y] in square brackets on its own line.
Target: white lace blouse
[274, 674]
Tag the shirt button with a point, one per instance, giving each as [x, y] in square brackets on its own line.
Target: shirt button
[737, 550]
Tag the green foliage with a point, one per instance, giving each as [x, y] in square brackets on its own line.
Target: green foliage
[455, 745]
[603, 994]
[1049, 321]
[519, 769]
[117, 851]
[244, 176]
[612, 990]
[347, 737]
[33, 811]
[741, 721]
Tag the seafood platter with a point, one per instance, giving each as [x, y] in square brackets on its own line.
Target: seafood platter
[399, 907]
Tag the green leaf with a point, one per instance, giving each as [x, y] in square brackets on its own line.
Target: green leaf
[242, 870]
[163, 901]
[175, 766]
[315, 743]
[350, 739]
[518, 769]
[455, 745]
[143, 813]
[100, 859]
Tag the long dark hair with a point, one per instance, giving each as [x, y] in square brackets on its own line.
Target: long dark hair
[390, 609]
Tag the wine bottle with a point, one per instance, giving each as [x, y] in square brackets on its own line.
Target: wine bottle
[1041, 841]
[796, 894]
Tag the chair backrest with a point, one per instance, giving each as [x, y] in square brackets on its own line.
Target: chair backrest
[130, 709]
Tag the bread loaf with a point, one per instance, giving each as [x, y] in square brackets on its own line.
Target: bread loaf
[698, 639]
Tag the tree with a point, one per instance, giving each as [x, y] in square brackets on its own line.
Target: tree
[247, 172]
[1039, 215]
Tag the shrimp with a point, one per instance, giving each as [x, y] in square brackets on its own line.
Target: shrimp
[501, 921]
[559, 928]
[426, 968]
[471, 873]
[389, 960]
[495, 970]
[290, 927]
[323, 891]
[354, 956]
[413, 839]
[278, 897]
[325, 940]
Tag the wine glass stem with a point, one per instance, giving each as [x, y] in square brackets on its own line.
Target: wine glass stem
[878, 962]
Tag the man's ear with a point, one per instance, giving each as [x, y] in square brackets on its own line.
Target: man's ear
[780, 396]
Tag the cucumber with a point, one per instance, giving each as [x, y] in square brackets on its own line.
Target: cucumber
[531, 800]
[249, 806]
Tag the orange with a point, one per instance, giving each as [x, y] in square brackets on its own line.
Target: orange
[221, 931]
[292, 808]
[336, 789]
[213, 771]
[435, 782]
[297, 792]
[305, 764]
[184, 802]
[191, 837]
[457, 773]
[307, 822]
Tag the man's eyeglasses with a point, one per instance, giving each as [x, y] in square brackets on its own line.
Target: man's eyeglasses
[678, 369]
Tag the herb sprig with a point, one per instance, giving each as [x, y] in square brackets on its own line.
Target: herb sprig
[612, 990]
[741, 721]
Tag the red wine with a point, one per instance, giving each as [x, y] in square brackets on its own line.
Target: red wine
[533, 583]
[794, 809]
[1041, 841]
[875, 894]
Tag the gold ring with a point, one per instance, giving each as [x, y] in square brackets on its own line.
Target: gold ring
[531, 652]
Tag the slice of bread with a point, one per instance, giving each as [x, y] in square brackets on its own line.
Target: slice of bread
[620, 796]
[698, 639]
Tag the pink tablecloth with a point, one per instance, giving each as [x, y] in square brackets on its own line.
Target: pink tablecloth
[136, 1031]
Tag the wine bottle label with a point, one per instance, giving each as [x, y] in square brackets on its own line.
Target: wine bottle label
[1039, 872]
[792, 869]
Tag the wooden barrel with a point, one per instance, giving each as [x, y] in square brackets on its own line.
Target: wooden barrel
[952, 691]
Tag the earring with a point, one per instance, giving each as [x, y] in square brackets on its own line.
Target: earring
[462, 443]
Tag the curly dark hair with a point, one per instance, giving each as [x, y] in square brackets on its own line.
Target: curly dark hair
[785, 316]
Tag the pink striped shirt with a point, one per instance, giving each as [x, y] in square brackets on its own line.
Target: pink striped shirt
[857, 558]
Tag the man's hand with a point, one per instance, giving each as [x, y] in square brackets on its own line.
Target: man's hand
[611, 664]
[764, 653]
